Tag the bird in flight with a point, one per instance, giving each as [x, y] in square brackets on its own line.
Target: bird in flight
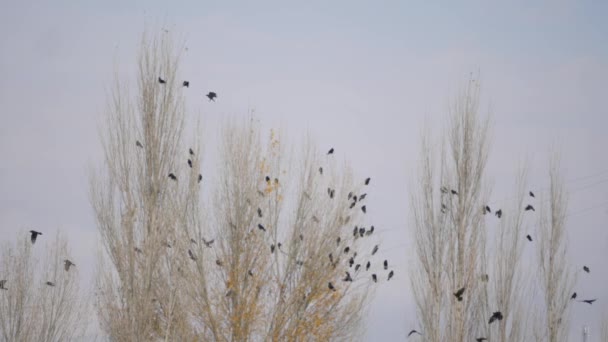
[531, 194]
[172, 176]
[67, 264]
[367, 180]
[208, 243]
[346, 249]
[50, 283]
[498, 213]
[529, 237]
[573, 296]
[586, 269]
[211, 96]
[138, 144]
[34, 235]
[413, 332]
[186, 84]
[588, 301]
[529, 207]
[3, 284]
[331, 151]
[161, 81]
[331, 286]
[495, 316]
[364, 209]
[375, 249]
[390, 275]
[458, 294]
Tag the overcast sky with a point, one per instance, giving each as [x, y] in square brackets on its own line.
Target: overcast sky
[361, 77]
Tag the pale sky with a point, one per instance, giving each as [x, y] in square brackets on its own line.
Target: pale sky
[361, 77]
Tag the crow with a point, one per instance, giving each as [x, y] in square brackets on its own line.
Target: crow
[3, 284]
[361, 231]
[357, 267]
[259, 212]
[331, 286]
[190, 163]
[413, 332]
[34, 235]
[138, 144]
[338, 239]
[588, 301]
[191, 255]
[375, 249]
[459, 293]
[529, 237]
[208, 243]
[186, 84]
[364, 209]
[370, 231]
[367, 180]
[346, 249]
[211, 96]
[68, 264]
[260, 227]
[390, 275]
[267, 179]
[586, 269]
[573, 296]
[272, 249]
[374, 278]
[488, 210]
[50, 283]
[386, 264]
[498, 213]
[348, 277]
[331, 193]
[219, 262]
[200, 177]
[331, 151]
[495, 316]
[362, 197]
[531, 194]
[191, 152]
[352, 205]
[320, 170]
[368, 265]
[355, 231]
[355, 198]
[529, 207]
[172, 176]
[454, 192]
[161, 81]
[351, 261]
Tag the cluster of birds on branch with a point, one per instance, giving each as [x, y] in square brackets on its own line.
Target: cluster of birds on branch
[67, 264]
[497, 315]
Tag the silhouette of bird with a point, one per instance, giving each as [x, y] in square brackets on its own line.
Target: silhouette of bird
[331, 151]
[495, 316]
[375, 249]
[267, 179]
[413, 332]
[367, 181]
[586, 269]
[172, 176]
[208, 243]
[361, 231]
[191, 152]
[3, 284]
[480, 339]
[531, 194]
[362, 197]
[191, 255]
[374, 278]
[364, 209]
[529, 207]
[260, 227]
[386, 264]
[331, 286]
[458, 294]
[488, 210]
[50, 283]
[573, 296]
[370, 231]
[357, 267]
[320, 170]
[390, 275]
[272, 249]
[346, 249]
[355, 231]
[211, 96]
[219, 262]
[67, 264]
[498, 213]
[331, 193]
[588, 301]
[138, 144]
[348, 277]
[259, 212]
[186, 84]
[529, 237]
[299, 262]
[351, 262]
[368, 265]
[200, 177]
[350, 195]
[454, 192]
[34, 235]
[352, 205]
[190, 163]
[161, 81]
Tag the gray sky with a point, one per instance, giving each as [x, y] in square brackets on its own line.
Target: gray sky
[359, 77]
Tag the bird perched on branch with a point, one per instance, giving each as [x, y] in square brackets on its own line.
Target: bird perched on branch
[529, 237]
[367, 180]
[495, 316]
[498, 213]
[161, 81]
[331, 151]
[50, 283]
[390, 275]
[67, 264]
[186, 84]
[172, 176]
[211, 95]
[586, 269]
[458, 294]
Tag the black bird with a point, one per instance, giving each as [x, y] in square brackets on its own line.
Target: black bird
[208, 243]
[488, 210]
[367, 180]
[190, 163]
[350, 195]
[370, 231]
[529, 207]
[338, 241]
[361, 232]
[390, 275]
[219, 262]
[368, 265]
[362, 197]
[355, 231]
[191, 255]
[259, 212]
[352, 205]
[331, 151]
[364, 209]
[480, 339]
[588, 301]
[67, 264]
[211, 96]
[161, 81]
[331, 286]
[498, 213]
[348, 277]
[34, 235]
[531, 194]
[495, 316]
[138, 144]
[375, 249]
[459, 293]
[351, 262]
[191, 152]
[529, 237]
[172, 176]
[50, 283]
[200, 177]
[346, 249]
[374, 278]
[260, 227]
[271, 248]
[386, 264]
[267, 179]
[454, 192]
[586, 269]
[573, 296]
[357, 267]
[413, 332]
[3, 284]
[331, 193]
[321, 170]
[186, 84]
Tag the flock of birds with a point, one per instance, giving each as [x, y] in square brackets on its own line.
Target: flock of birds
[67, 264]
[497, 315]
[210, 95]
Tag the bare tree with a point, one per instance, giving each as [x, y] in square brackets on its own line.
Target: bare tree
[41, 301]
[448, 222]
[556, 275]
